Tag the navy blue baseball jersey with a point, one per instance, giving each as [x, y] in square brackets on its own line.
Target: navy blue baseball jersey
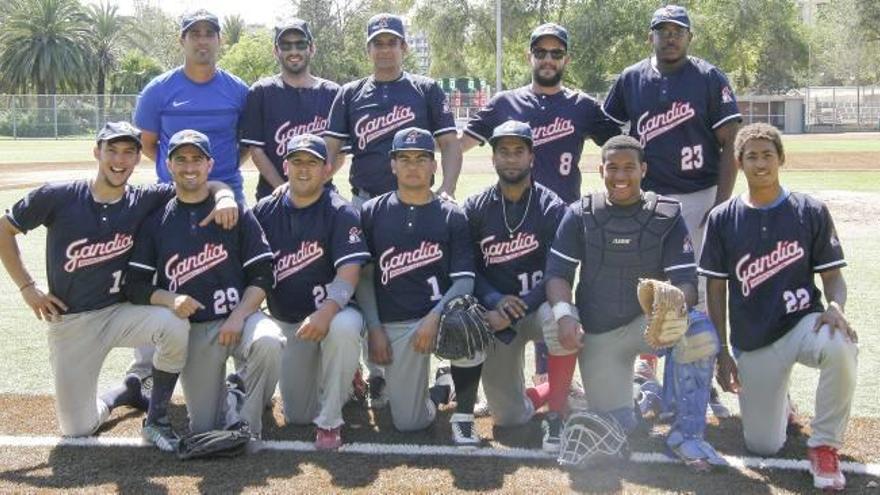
[205, 263]
[275, 113]
[418, 250]
[367, 113]
[674, 116]
[511, 254]
[619, 302]
[88, 244]
[559, 123]
[769, 257]
[309, 245]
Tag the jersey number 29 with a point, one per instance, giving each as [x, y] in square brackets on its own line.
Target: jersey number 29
[225, 300]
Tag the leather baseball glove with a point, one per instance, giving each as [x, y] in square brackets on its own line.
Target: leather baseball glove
[664, 305]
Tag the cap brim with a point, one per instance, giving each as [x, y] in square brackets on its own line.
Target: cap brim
[392, 152]
[670, 21]
[307, 150]
[494, 139]
[560, 38]
[389, 31]
[121, 135]
[287, 30]
[181, 145]
[209, 21]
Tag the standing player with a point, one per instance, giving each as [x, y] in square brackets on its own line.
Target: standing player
[196, 95]
[683, 111]
[216, 278]
[512, 225]
[316, 237]
[286, 105]
[765, 247]
[423, 258]
[91, 226]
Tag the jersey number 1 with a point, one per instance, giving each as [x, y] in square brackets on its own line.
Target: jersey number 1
[692, 157]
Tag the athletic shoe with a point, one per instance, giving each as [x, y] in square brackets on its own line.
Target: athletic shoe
[645, 370]
[464, 434]
[825, 468]
[147, 387]
[328, 439]
[552, 426]
[234, 381]
[378, 398]
[359, 388]
[161, 435]
[719, 410]
[443, 390]
[540, 378]
[482, 409]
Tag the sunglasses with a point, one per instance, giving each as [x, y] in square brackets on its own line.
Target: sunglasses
[541, 54]
[675, 34]
[287, 46]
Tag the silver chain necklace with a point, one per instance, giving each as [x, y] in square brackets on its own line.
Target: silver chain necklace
[510, 230]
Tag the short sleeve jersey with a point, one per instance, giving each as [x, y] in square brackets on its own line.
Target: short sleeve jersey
[276, 112]
[560, 123]
[205, 263]
[418, 251]
[367, 113]
[309, 245]
[769, 258]
[674, 116]
[88, 244]
[172, 102]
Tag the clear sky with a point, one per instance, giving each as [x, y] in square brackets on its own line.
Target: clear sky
[253, 11]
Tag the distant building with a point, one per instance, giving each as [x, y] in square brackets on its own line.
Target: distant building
[810, 9]
[418, 47]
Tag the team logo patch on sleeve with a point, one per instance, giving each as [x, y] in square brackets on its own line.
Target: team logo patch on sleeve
[354, 235]
[687, 246]
[396, 264]
[80, 253]
[754, 272]
[726, 95]
[180, 271]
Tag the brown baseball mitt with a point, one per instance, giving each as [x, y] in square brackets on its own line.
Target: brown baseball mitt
[664, 305]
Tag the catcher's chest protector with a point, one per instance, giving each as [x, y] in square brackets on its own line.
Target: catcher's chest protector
[622, 245]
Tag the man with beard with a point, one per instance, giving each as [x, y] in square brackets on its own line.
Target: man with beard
[560, 118]
[288, 104]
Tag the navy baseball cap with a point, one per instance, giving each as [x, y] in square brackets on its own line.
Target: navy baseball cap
[549, 29]
[309, 143]
[671, 13]
[293, 25]
[512, 128]
[385, 23]
[116, 130]
[189, 136]
[413, 139]
[191, 17]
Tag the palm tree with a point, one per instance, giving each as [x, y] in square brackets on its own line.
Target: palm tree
[233, 28]
[110, 33]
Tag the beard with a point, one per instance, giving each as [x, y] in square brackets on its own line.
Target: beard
[515, 179]
[298, 68]
[547, 82]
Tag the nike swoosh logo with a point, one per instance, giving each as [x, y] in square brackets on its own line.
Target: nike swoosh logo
[176, 104]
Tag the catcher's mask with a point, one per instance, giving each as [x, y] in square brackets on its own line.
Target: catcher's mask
[587, 434]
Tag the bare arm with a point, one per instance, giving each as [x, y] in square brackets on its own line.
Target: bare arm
[450, 160]
[690, 293]
[44, 305]
[265, 167]
[337, 163]
[467, 142]
[727, 374]
[150, 141]
[243, 153]
[230, 330]
[570, 331]
[316, 326]
[835, 292]
[726, 164]
[334, 145]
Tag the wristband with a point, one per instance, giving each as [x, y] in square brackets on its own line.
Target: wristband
[25, 286]
[563, 309]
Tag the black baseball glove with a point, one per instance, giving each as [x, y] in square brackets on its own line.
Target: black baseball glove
[463, 330]
[215, 444]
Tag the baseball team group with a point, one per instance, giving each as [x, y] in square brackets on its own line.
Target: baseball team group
[180, 270]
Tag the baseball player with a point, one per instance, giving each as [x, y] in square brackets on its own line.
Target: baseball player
[422, 258]
[286, 105]
[616, 236]
[762, 251]
[91, 226]
[319, 249]
[512, 225]
[216, 278]
[683, 111]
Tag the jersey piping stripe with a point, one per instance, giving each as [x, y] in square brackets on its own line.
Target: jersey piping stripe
[566, 258]
[476, 136]
[725, 119]
[679, 267]
[444, 130]
[142, 266]
[336, 134]
[620, 122]
[462, 274]
[709, 273]
[829, 265]
[359, 254]
[251, 141]
[257, 258]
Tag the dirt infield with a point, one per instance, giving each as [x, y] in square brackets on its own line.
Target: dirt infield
[27, 469]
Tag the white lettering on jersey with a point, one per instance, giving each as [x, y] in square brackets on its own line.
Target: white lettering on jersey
[291, 263]
[181, 272]
[502, 252]
[285, 133]
[393, 265]
[557, 129]
[80, 253]
[656, 125]
[368, 129]
[753, 273]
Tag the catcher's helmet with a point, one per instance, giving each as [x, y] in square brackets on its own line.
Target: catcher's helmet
[587, 434]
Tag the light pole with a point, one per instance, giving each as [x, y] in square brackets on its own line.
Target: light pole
[498, 47]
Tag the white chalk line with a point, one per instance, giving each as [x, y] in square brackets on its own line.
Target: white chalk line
[736, 462]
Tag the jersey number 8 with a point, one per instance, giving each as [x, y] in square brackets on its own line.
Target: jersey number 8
[565, 160]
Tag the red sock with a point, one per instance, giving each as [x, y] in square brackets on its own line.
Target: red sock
[539, 394]
[651, 359]
[560, 370]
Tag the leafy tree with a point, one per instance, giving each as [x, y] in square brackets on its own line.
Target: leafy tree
[233, 28]
[109, 34]
[134, 71]
[251, 58]
[161, 34]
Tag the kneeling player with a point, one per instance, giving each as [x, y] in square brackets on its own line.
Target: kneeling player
[764, 247]
[218, 279]
[316, 237]
[423, 258]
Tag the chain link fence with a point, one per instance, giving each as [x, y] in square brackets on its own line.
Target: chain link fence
[842, 108]
[60, 116]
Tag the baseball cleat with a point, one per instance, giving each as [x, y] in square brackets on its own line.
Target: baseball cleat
[443, 390]
[359, 388]
[825, 468]
[161, 435]
[464, 434]
[482, 409]
[328, 439]
[552, 426]
[719, 410]
[377, 398]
